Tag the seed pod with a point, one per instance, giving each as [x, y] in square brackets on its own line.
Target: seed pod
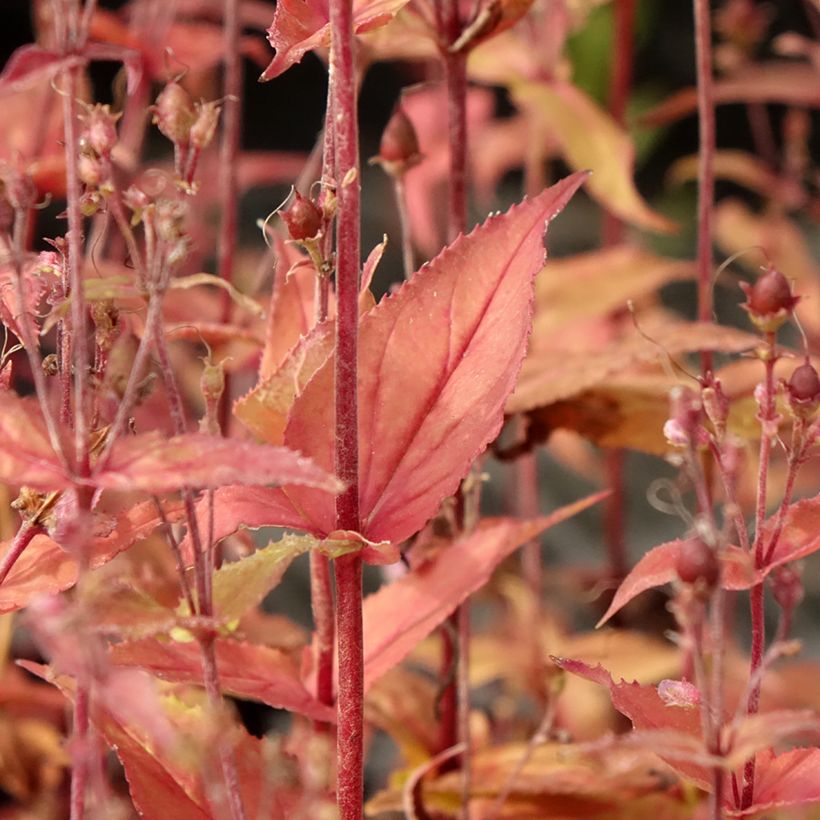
[303, 218]
[399, 143]
[697, 563]
[174, 113]
[787, 587]
[769, 301]
[803, 390]
[101, 129]
[204, 127]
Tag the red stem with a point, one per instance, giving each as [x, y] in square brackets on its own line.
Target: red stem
[767, 416]
[228, 184]
[77, 328]
[350, 704]
[22, 539]
[80, 755]
[706, 161]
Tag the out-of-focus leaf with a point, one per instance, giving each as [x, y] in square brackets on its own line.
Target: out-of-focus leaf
[245, 670]
[740, 167]
[31, 63]
[590, 139]
[300, 26]
[552, 373]
[156, 464]
[591, 285]
[26, 456]
[197, 279]
[403, 613]
[437, 361]
[42, 569]
[775, 81]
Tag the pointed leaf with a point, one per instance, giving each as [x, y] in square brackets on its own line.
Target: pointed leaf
[788, 779]
[400, 615]
[156, 464]
[245, 670]
[647, 710]
[241, 585]
[300, 26]
[590, 139]
[437, 361]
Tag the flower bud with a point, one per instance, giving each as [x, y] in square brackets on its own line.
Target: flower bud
[91, 171]
[787, 587]
[101, 129]
[769, 301]
[697, 563]
[803, 390]
[174, 114]
[399, 146]
[303, 218]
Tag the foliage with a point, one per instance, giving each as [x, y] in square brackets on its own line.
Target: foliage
[169, 392]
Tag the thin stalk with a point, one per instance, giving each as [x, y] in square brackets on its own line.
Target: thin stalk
[228, 180]
[350, 703]
[78, 326]
[80, 752]
[768, 413]
[22, 539]
[408, 262]
[706, 162]
[201, 573]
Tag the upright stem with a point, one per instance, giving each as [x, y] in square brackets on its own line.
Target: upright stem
[350, 711]
[79, 336]
[706, 160]
[768, 412]
[80, 748]
[228, 187]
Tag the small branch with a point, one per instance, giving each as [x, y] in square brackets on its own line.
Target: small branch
[28, 530]
[80, 751]
[408, 262]
[706, 161]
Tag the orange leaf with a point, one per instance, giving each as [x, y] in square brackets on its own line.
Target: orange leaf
[590, 139]
[403, 613]
[300, 26]
[245, 670]
[437, 361]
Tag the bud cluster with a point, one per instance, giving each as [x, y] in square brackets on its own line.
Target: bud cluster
[97, 141]
[189, 126]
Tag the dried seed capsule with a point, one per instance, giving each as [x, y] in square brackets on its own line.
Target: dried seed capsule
[174, 114]
[204, 127]
[803, 390]
[100, 129]
[769, 301]
[399, 141]
[697, 562]
[303, 218]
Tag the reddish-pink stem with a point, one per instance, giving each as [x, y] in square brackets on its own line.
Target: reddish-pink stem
[350, 704]
[228, 184]
[706, 162]
[767, 418]
[77, 327]
[22, 539]
[80, 757]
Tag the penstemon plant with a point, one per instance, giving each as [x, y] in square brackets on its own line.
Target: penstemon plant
[170, 392]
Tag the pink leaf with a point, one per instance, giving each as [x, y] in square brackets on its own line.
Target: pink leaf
[28, 64]
[26, 456]
[401, 614]
[647, 710]
[245, 670]
[437, 362]
[788, 779]
[300, 26]
[156, 464]
[799, 539]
